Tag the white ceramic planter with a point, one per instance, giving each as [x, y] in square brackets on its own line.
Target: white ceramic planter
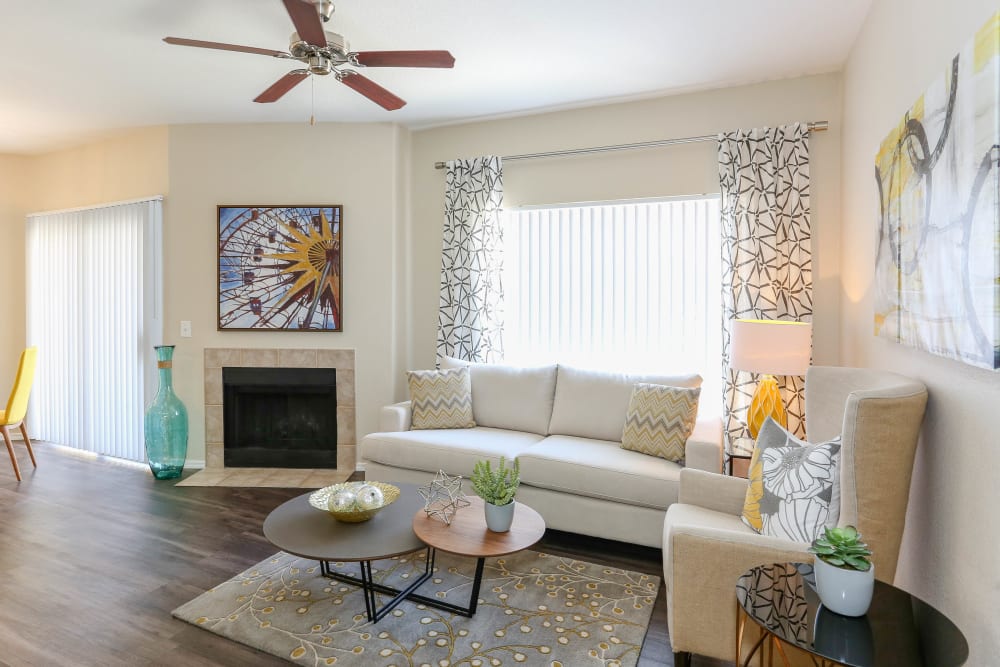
[499, 517]
[847, 592]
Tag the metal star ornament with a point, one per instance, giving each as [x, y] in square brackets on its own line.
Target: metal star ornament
[443, 496]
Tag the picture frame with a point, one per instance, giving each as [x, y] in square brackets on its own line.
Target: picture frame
[280, 267]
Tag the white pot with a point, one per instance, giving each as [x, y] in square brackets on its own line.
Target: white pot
[499, 517]
[845, 591]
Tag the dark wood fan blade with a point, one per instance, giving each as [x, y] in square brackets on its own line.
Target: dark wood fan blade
[373, 91]
[307, 21]
[180, 41]
[282, 86]
[405, 58]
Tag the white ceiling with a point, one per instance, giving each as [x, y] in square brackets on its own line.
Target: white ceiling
[71, 70]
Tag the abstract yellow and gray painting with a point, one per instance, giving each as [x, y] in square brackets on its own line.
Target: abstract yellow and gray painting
[937, 268]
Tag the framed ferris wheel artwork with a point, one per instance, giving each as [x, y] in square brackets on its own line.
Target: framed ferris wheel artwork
[280, 268]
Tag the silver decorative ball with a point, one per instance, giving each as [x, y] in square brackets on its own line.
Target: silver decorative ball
[369, 497]
[343, 501]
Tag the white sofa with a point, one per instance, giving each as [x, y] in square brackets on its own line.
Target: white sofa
[565, 425]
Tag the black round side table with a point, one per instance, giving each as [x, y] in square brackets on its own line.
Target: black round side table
[899, 629]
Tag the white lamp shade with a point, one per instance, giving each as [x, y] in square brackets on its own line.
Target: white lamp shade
[770, 346]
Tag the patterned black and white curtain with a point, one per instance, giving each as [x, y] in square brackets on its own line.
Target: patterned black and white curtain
[766, 251]
[470, 315]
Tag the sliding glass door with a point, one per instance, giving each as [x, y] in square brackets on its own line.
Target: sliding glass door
[94, 311]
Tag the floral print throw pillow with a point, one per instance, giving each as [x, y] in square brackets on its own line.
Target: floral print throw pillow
[794, 489]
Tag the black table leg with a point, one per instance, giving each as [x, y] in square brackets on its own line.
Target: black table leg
[453, 608]
[369, 588]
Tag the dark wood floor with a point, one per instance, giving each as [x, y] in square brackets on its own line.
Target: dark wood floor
[94, 556]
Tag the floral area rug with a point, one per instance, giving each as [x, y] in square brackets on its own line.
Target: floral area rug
[534, 609]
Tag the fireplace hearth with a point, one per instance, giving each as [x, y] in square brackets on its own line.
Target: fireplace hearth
[279, 417]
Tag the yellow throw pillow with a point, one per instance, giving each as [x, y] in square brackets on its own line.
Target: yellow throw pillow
[441, 399]
[660, 420]
[755, 491]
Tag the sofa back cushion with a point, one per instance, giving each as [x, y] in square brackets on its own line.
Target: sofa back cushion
[511, 397]
[593, 404]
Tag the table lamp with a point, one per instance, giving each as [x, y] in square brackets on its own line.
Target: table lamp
[769, 347]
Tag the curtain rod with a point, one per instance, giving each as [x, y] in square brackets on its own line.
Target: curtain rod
[816, 126]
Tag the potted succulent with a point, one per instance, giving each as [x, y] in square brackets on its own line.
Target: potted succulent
[497, 488]
[845, 574]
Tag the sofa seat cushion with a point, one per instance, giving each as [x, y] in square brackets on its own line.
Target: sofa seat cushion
[593, 404]
[510, 396]
[453, 450]
[600, 469]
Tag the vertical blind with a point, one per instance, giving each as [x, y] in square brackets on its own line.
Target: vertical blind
[632, 285]
[94, 311]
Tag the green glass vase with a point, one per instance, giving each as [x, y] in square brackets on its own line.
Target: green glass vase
[166, 422]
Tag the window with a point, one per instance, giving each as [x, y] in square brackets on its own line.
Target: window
[630, 285]
[94, 313]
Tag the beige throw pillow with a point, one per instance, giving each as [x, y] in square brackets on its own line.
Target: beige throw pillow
[660, 420]
[441, 399]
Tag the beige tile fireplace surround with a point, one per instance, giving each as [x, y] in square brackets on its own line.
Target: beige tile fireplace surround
[217, 474]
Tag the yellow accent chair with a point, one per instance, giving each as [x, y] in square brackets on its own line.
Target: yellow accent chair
[706, 546]
[17, 406]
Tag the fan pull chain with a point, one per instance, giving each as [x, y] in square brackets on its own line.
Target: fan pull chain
[312, 86]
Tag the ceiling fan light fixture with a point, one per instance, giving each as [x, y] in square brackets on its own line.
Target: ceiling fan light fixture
[320, 64]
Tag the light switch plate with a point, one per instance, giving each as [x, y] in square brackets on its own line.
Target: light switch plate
[185, 328]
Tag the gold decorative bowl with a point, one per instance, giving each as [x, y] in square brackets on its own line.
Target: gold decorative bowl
[321, 500]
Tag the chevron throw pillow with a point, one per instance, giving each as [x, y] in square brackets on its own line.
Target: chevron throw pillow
[660, 420]
[441, 399]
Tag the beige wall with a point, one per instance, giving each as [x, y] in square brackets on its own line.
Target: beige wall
[358, 166]
[949, 553]
[129, 165]
[14, 204]
[673, 170]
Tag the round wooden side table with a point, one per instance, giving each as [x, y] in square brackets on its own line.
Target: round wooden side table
[467, 535]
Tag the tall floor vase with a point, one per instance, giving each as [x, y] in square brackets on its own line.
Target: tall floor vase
[166, 422]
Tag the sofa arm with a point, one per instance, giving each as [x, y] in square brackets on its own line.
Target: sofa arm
[720, 493]
[394, 418]
[703, 450]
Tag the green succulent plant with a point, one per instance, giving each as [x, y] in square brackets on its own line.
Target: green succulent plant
[842, 547]
[496, 487]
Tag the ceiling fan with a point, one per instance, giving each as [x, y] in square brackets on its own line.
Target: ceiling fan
[325, 52]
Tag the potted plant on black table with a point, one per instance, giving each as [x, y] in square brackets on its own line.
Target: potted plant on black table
[845, 574]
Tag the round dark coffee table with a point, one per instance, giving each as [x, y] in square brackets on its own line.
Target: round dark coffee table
[899, 629]
[298, 528]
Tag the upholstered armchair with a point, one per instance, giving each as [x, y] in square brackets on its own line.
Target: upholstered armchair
[706, 547]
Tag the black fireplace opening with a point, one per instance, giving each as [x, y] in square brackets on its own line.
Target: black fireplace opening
[280, 417]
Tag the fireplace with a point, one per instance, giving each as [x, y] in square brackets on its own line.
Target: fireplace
[279, 417]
